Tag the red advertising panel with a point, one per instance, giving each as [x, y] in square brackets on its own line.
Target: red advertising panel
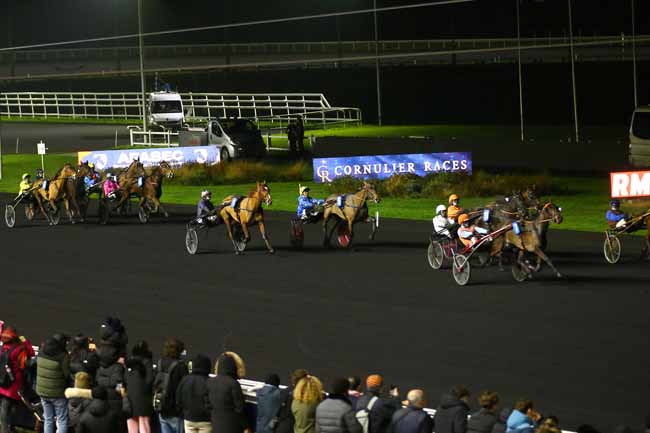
[630, 184]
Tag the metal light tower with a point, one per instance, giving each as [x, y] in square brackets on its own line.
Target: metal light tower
[144, 97]
[377, 64]
[521, 100]
[636, 101]
[573, 74]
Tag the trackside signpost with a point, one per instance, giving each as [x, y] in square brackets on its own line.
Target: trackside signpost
[40, 149]
[630, 184]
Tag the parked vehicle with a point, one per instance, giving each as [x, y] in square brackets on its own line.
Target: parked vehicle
[166, 110]
[237, 138]
[640, 137]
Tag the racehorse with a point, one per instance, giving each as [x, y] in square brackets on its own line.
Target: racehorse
[130, 181]
[247, 211]
[529, 240]
[60, 187]
[81, 195]
[152, 187]
[353, 210]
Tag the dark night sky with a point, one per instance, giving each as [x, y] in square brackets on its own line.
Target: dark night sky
[37, 21]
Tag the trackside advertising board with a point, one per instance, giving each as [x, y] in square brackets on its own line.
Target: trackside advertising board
[630, 184]
[173, 155]
[384, 166]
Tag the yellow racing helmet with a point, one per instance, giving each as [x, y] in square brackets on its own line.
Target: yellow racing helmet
[453, 197]
[462, 218]
[25, 176]
[91, 165]
[303, 189]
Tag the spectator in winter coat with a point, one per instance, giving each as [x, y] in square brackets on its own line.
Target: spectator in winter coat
[139, 383]
[98, 417]
[82, 358]
[500, 425]
[225, 395]
[451, 415]
[77, 405]
[524, 418]
[286, 420]
[112, 339]
[484, 420]
[335, 414]
[306, 397]
[191, 397]
[383, 409]
[19, 351]
[269, 401]
[171, 365]
[354, 392]
[413, 418]
[52, 374]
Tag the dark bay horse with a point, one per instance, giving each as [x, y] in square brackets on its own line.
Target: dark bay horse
[354, 210]
[248, 212]
[130, 181]
[152, 187]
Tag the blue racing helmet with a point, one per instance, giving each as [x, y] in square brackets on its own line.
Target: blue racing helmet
[615, 203]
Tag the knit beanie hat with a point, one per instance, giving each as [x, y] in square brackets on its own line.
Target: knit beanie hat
[374, 381]
[8, 334]
[82, 380]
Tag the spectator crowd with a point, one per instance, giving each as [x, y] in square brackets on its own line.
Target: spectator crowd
[77, 384]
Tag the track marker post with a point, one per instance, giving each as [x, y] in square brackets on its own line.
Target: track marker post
[41, 149]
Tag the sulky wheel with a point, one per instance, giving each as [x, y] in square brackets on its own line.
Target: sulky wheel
[612, 249]
[192, 240]
[435, 254]
[343, 236]
[10, 216]
[461, 270]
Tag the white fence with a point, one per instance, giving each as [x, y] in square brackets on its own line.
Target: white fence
[268, 108]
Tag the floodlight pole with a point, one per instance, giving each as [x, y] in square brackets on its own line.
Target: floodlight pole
[521, 100]
[144, 98]
[573, 74]
[636, 101]
[377, 64]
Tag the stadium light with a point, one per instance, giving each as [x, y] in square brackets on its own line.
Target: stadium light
[142, 86]
[573, 74]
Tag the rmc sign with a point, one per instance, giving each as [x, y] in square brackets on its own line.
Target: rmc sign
[630, 184]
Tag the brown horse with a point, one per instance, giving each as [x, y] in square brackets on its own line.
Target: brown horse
[152, 187]
[61, 187]
[529, 240]
[249, 211]
[354, 210]
[129, 182]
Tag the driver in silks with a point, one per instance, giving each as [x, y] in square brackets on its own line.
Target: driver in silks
[441, 225]
[306, 204]
[205, 209]
[92, 178]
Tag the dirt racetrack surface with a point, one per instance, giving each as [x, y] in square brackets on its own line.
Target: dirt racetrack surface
[577, 345]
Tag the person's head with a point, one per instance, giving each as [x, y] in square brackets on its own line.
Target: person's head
[374, 383]
[230, 364]
[91, 166]
[82, 380]
[173, 348]
[441, 210]
[26, 177]
[273, 380]
[304, 191]
[79, 342]
[9, 335]
[488, 400]
[524, 405]
[296, 375]
[39, 173]
[460, 392]
[201, 365]
[308, 390]
[454, 199]
[340, 386]
[355, 383]
[416, 398]
[615, 204]
[109, 175]
[206, 195]
[463, 220]
[141, 348]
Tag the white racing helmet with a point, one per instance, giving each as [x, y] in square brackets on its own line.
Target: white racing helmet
[440, 208]
[205, 193]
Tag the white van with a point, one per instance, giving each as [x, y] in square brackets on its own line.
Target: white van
[640, 137]
[166, 110]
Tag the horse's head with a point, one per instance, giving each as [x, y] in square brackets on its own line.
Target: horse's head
[529, 196]
[83, 169]
[166, 169]
[370, 190]
[264, 193]
[135, 169]
[552, 212]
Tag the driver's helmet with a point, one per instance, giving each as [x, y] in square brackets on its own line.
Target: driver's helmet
[463, 218]
[440, 208]
[25, 176]
[109, 175]
[615, 204]
[91, 166]
[206, 194]
[39, 173]
[453, 197]
[303, 189]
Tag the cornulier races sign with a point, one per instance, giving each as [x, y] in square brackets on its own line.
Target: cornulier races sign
[384, 166]
[175, 156]
[630, 184]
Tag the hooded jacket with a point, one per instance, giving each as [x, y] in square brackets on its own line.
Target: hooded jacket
[451, 416]
[226, 398]
[382, 411]
[335, 415]
[20, 351]
[482, 421]
[192, 393]
[519, 423]
[52, 370]
[411, 420]
[138, 379]
[269, 401]
[98, 417]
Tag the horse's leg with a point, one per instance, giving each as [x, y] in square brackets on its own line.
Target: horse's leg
[68, 210]
[244, 226]
[497, 251]
[260, 223]
[372, 221]
[40, 207]
[325, 222]
[544, 257]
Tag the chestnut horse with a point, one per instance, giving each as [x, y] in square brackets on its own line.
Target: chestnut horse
[248, 212]
[353, 210]
[152, 187]
[62, 187]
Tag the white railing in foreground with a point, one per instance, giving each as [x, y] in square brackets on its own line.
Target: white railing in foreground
[273, 108]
